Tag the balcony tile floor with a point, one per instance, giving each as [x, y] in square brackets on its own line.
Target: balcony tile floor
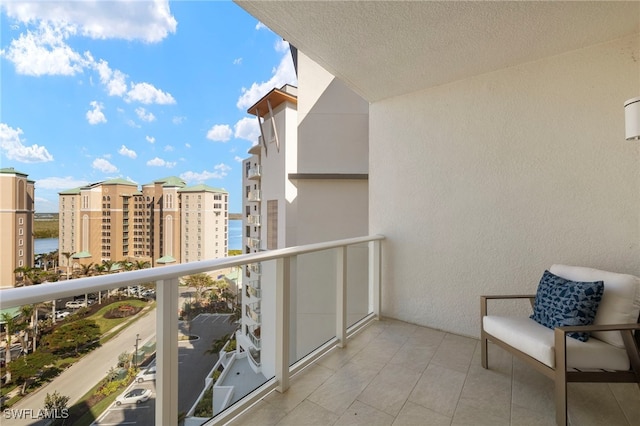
[395, 373]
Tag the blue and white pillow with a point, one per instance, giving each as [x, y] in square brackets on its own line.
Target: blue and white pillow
[561, 302]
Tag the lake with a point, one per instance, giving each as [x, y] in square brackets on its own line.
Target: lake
[47, 245]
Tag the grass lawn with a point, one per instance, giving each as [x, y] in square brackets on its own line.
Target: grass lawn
[107, 324]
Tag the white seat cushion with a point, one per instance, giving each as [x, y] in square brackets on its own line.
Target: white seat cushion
[537, 341]
[620, 302]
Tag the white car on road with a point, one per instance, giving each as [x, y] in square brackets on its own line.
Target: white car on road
[149, 373]
[75, 304]
[134, 396]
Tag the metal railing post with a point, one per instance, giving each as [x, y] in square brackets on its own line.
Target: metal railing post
[375, 273]
[341, 296]
[283, 315]
[167, 351]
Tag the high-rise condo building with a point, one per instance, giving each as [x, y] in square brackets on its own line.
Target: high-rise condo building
[16, 224]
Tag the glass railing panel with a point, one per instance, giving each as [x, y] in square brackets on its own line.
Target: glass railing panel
[313, 302]
[357, 282]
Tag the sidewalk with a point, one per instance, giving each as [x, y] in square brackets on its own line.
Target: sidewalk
[78, 379]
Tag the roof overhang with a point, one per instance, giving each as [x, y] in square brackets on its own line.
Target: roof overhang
[383, 49]
[275, 97]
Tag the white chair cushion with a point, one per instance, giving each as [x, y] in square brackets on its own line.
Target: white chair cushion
[620, 302]
[537, 341]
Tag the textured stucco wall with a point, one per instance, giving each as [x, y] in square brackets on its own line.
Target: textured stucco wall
[481, 184]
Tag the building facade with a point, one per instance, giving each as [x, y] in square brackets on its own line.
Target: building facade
[163, 222]
[17, 210]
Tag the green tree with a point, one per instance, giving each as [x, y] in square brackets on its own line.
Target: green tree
[200, 282]
[55, 401]
[72, 336]
[67, 256]
[24, 369]
[218, 344]
[11, 326]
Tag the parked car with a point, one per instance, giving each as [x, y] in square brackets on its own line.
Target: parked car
[134, 396]
[148, 373]
[75, 304]
[62, 314]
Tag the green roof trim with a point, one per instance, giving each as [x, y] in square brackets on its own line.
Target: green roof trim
[74, 191]
[170, 181]
[81, 255]
[166, 259]
[119, 181]
[202, 188]
[11, 170]
[12, 312]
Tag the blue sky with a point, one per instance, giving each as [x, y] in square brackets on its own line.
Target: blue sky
[94, 90]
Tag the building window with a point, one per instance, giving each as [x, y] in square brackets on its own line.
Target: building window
[272, 224]
[20, 231]
[21, 221]
[20, 253]
[20, 242]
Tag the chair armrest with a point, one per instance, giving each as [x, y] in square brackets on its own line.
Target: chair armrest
[598, 327]
[486, 298]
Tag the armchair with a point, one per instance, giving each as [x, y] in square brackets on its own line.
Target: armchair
[611, 354]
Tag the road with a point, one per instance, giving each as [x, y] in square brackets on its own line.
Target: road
[78, 379]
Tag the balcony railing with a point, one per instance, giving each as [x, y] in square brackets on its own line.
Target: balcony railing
[255, 195]
[254, 219]
[254, 243]
[255, 172]
[355, 264]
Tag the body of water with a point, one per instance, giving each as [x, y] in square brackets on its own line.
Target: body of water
[47, 245]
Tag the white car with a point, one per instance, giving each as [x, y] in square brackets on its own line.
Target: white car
[148, 373]
[134, 396]
[75, 304]
[62, 314]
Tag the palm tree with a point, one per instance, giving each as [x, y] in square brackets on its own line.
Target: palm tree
[28, 311]
[67, 255]
[21, 272]
[10, 326]
[141, 264]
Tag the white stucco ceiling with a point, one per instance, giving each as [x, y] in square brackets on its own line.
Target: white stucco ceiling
[387, 48]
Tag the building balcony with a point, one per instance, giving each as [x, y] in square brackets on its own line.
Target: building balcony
[254, 219]
[332, 357]
[255, 195]
[254, 243]
[255, 172]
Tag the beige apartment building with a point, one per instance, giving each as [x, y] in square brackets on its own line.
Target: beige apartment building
[162, 222]
[16, 224]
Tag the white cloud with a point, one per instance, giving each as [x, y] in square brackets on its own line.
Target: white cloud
[187, 145]
[220, 171]
[45, 52]
[247, 128]
[95, 115]
[281, 45]
[150, 139]
[219, 133]
[148, 21]
[261, 26]
[104, 165]
[144, 115]
[133, 124]
[238, 159]
[168, 148]
[127, 152]
[60, 183]
[147, 94]
[114, 81]
[159, 162]
[283, 74]
[13, 147]
[237, 61]
[178, 120]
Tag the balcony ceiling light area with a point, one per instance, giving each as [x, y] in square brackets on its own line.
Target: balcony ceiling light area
[383, 49]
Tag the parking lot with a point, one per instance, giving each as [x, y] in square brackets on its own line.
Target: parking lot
[193, 366]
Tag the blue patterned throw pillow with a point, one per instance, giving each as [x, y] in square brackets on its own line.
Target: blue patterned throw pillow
[562, 302]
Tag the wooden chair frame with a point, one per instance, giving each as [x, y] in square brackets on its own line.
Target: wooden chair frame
[560, 375]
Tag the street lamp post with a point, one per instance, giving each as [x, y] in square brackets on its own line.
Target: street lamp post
[135, 354]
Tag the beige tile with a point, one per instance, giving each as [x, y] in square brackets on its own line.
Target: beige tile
[341, 389]
[531, 389]
[438, 389]
[417, 415]
[261, 414]
[414, 355]
[389, 390]
[469, 413]
[362, 414]
[455, 352]
[302, 385]
[308, 413]
[628, 396]
[521, 416]
[593, 404]
[487, 392]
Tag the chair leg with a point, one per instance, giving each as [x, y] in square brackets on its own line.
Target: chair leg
[561, 378]
[483, 351]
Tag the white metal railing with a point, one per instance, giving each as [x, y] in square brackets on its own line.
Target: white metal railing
[167, 283]
[255, 268]
[254, 219]
[255, 195]
[255, 172]
[253, 242]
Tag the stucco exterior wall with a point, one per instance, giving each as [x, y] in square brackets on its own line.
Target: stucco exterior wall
[481, 184]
